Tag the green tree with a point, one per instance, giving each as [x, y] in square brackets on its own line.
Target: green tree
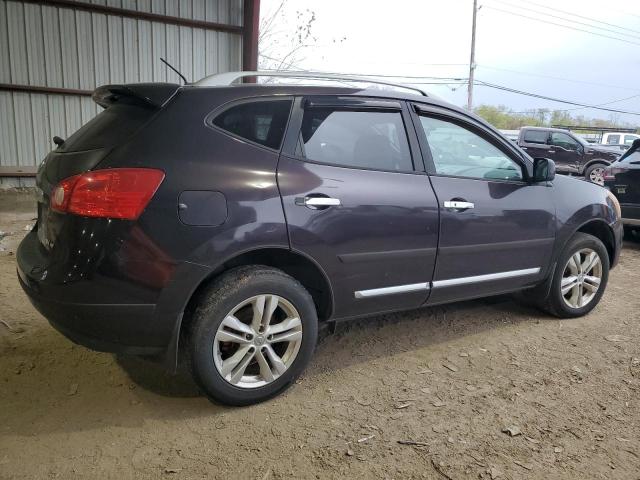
[505, 118]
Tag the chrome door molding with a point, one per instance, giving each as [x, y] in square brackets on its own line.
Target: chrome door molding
[375, 292]
[485, 278]
[414, 287]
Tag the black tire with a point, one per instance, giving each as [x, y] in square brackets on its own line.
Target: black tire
[589, 171]
[555, 303]
[631, 233]
[226, 292]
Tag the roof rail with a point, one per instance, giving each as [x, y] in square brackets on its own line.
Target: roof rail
[228, 78]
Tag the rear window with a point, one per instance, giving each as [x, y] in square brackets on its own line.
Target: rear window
[109, 128]
[632, 157]
[262, 122]
[536, 136]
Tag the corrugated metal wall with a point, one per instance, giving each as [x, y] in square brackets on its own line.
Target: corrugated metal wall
[62, 47]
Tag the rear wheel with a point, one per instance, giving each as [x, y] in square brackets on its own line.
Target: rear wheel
[595, 173]
[252, 335]
[579, 279]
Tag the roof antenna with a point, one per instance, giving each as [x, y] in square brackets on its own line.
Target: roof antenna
[175, 70]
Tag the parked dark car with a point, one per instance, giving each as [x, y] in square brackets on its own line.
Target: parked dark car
[623, 179]
[228, 223]
[571, 153]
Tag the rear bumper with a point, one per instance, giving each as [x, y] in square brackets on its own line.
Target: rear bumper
[631, 214]
[106, 328]
[98, 311]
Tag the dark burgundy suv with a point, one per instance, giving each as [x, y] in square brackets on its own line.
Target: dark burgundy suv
[228, 222]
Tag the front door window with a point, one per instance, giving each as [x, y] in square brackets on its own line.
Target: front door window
[457, 151]
[563, 140]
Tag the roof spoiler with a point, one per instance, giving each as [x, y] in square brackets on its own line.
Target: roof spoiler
[153, 95]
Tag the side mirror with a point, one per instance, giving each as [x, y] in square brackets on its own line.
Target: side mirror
[544, 170]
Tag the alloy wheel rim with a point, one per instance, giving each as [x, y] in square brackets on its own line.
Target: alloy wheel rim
[597, 175]
[258, 341]
[581, 278]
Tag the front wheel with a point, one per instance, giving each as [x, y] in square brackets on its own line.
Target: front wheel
[595, 174]
[253, 333]
[580, 277]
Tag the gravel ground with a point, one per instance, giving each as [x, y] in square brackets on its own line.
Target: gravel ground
[432, 393]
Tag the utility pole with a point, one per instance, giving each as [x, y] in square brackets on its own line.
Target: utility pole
[472, 60]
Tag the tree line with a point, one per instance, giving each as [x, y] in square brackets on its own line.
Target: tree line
[505, 118]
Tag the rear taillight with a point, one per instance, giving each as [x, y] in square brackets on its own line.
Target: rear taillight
[611, 172]
[115, 193]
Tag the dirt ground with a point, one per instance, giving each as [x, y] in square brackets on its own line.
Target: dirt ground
[450, 379]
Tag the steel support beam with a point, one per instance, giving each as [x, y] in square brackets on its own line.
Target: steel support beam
[250, 33]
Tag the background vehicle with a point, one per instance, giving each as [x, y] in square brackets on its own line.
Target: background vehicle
[229, 222]
[571, 153]
[623, 179]
[619, 138]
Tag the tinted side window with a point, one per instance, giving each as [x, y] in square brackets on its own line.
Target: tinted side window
[563, 140]
[628, 139]
[535, 136]
[459, 152]
[613, 139]
[348, 138]
[262, 122]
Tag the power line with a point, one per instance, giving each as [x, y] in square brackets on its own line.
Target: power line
[561, 25]
[552, 99]
[421, 80]
[582, 108]
[573, 14]
[567, 19]
[530, 74]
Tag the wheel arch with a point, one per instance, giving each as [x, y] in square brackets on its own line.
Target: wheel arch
[602, 231]
[296, 264]
[595, 161]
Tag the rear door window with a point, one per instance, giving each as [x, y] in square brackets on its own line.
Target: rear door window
[536, 136]
[613, 139]
[261, 121]
[350, 138]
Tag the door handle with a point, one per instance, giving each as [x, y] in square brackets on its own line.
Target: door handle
[317, 203]
[458, 205]
[551, 151]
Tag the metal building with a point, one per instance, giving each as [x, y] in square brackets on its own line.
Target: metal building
[53, 53]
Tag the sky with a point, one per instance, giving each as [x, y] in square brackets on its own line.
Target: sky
[431, 38]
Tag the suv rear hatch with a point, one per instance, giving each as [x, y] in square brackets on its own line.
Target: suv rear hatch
[128, 108]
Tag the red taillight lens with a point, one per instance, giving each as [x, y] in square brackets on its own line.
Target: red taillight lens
[611, 172]
[61, 195]
[115, 193]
